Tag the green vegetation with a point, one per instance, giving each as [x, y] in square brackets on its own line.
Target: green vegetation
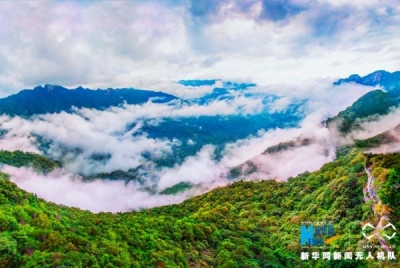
[246, 224]
[235, 172]
[376, 102]
[386, 170]
[20, 159]
[130, 175]
[372, 142]
[380, 139]
[246, 168]
[283, 146]
[177, 188]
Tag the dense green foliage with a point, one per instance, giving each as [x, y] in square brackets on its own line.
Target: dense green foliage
[177, 188]
[390, 193]
[375, 102]
[387, 137]
[282, 146]
[54, 99]
[387, 182]
[246, 224]
[244, 169]
[372, 142]
[130, 175]
[20, 159]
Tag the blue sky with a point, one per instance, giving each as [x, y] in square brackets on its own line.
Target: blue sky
[150, 44]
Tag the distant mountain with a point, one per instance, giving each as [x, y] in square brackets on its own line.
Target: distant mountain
[212, 82]
[198, 83]
[218, 130]
[54, 99]
[228, 93]
[385, 79]
[216, 94]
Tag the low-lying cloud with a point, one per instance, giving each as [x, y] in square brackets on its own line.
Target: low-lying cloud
[101, 195]
[116, 132]
[109, 133]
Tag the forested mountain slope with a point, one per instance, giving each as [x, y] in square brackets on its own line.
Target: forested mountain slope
[375, 102]
[23, 159]
[246, 224]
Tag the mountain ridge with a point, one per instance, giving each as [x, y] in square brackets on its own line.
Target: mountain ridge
[54, 99]
[383, 78]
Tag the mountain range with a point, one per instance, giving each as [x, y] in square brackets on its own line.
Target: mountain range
[205, 129]
[382, 78]
[54, 99]
[243, 224]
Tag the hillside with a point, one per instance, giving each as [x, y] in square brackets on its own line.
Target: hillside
[22, 159]
[375, 102]
[389, 137]
[247, 224]
[54, 99]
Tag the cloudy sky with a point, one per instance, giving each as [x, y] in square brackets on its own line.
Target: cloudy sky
[148, 44]
[295, 48]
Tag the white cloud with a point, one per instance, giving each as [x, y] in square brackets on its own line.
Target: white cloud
[107, 132]
[148, 44]
[375, 125]
[198, 169]
[67, 189]
[100, 136]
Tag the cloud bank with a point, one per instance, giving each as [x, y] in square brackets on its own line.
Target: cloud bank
[116, 133]
[100, 195]
[150, 44]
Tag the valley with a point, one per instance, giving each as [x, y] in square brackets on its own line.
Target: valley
[233, 216]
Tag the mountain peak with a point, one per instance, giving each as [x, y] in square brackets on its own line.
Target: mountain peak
[354, 77]
[382, 78]
[376, 76]
[48, 87]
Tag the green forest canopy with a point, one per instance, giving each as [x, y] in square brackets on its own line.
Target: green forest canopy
[246, 224]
